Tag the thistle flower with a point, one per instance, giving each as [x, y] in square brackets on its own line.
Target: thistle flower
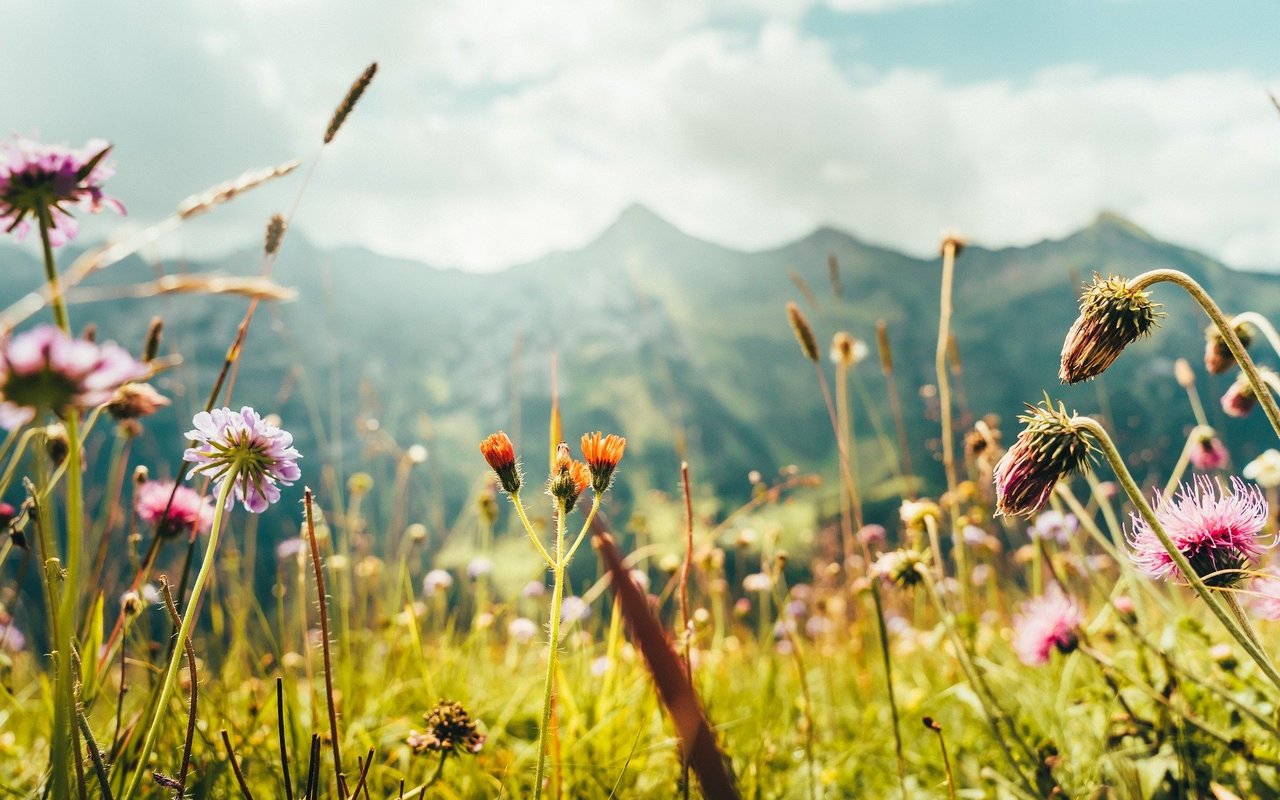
[450, 730]
[1265, 588]
[602, 454]
[1218, 358]
[43, 369]
[899, 567]
[1265, 469]
[1048, 449]
[570, 479]
[501, 456]
[136, 400]
[872, 534]
[1112, 316]
[1047, 623]
[1240, 398]
[187, 513]
[243, 447]
[1207, 452]
[1217, 531]
[37, 178]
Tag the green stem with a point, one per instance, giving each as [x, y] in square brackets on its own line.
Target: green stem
[1225, 328]
[548, 692]
[883, 637]
[1188, 572]
[188, 621]
[528, 528]
[56, 300]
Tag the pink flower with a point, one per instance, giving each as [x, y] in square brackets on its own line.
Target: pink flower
[1266, 599]
[38, 178]
[1046, 622]
[44, 369]
[257, 455]
[188, 512]
[1207, 452]
[1217, 531]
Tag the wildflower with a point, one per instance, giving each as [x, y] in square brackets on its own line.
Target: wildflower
[187, 513]
[37, 178]
[44, 369]
[1112, 316]
[450, 730]
[757, 582]
[1265, 469]
[817, 627]
[1048, 449]
[1266, 597]
[1046, 623]
[1223, 656]
[136, 400]
[359, 484]
[872, 534]
[501, 455]
[742, 607]
[804, 333]
[150, 593]
[574, 609]
[522, 629]
[416, 533]
[1206, 451]
[915, 512]
[1055, 526]
[600, 665]
[602, 454]
[131, 604]
[436, 580]
[243, 447]
[1215, 530]
[534, 589]
[901, 567]
[290, 548]
[1239, 398]
[981, 574]
[11, 639]
[570, 480]
[1218, 358]
[479, 568]
[846, 350]
[973, 536]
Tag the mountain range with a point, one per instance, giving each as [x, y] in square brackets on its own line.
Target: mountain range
[680, 344]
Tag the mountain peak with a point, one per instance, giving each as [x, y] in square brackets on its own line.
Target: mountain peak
[1114, 221]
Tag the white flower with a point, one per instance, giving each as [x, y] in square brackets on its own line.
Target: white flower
[1265, 469]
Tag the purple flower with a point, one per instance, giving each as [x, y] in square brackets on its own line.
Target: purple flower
[244, 447]
[1054, 525]
[522, 629]
[479, 567]
[1266, 600]
[37, 177]
[11, 639]
[1049, 448]
[188, 512]
[1207, 452]
[534, 589]
[1239, 398]
[1046, 623]
[1217, 531]
[45, 369]
[290, 548]
[574, 609]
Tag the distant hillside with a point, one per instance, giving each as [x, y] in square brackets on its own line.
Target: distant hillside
[677, 343]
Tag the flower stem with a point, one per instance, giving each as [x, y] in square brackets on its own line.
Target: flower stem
[1263, 325]
[548, 692]
[56, 300]
[1233, 626]
[1224, 327]
[184, 630]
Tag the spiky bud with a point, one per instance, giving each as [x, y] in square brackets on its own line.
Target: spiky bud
[1048, 449]
[501, 456]
[450, 730]
[570, 479]
[1112, 316]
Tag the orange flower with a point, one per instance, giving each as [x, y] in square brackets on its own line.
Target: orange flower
[602, 454]
[501, 455]
[571, 478]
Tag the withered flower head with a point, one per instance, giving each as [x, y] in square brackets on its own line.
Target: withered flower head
[1112, 316]
[602, 454]
[136, 400]
[804, 333]
[1217, 356]
[450, 730]
[501, 455]
[1049, 448]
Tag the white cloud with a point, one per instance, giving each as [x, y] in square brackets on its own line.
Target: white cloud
[497, 131]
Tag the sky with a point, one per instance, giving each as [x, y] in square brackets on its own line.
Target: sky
[499, 130]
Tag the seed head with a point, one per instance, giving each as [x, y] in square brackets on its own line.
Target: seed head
[804, 333]
[1048, 449]
[450, 730]
[1112, 316]
[348, 103]
[501, 456]
[275, 233]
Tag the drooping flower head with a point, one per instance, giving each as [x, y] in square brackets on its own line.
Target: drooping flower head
[1216, 530]
[136, 400]
[1240, 398]
[243, 447]
[1218, 358]
[450, 730]
[1047, 623]
[569, 480]
[1048, 449]
[188, 512]
[602, 454]
[44, 369]
[1206, 452]
[501, 456]
[1112, 316]
[36, 178]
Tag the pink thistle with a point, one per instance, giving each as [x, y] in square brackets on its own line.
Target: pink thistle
[1217, 531]
[45, 369]
[1046, 623]
[1207, 452]
[257, 455]
[1239, 398]
[189, 511]
[37, 178]
[1266, 600]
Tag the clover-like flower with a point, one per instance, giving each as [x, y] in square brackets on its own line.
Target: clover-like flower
[37, 178]
[243, 447]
